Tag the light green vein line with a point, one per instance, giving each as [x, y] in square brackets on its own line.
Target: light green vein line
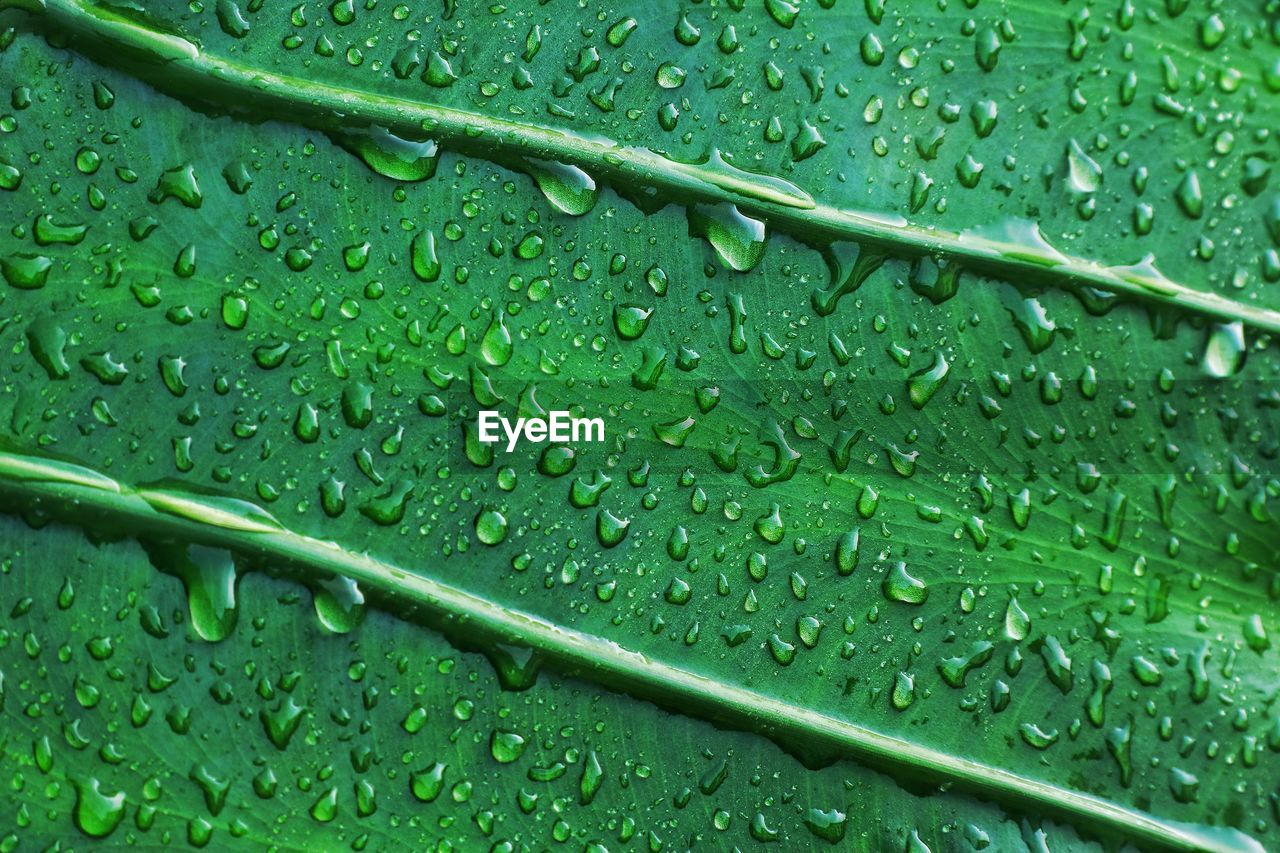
[87, 496]
[178, 66]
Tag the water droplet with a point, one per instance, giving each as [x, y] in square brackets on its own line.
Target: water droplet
[422, 256]
[739, 241]
[568, 188]
[491, 526]
[97, 814]
[1225, 349]
[630, 321]
[899, 585]
[496, 346]
[506, 746]
[339, 604]
[426, 784]
[1017, 624]
[1084, 175]
[923, 384]
[1188, 195]
[209, 577]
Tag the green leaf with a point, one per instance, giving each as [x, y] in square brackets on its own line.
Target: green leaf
[934, 352]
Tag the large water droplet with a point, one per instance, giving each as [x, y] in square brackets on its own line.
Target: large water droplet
[739, 241]
[568, 188]
[339, 604]
[209, 576]
[1225, 350]
[1084, 175]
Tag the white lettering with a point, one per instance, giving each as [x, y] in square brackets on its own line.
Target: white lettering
[560, 427]
[587, 425]
[488, 423]
[513, 435]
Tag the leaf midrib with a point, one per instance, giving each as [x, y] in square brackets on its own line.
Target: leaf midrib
[177, 66]
[86, 496]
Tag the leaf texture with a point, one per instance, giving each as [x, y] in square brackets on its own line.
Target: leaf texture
[934, 352]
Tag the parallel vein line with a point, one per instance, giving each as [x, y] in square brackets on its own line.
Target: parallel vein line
[88, 497]
[175, 65]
